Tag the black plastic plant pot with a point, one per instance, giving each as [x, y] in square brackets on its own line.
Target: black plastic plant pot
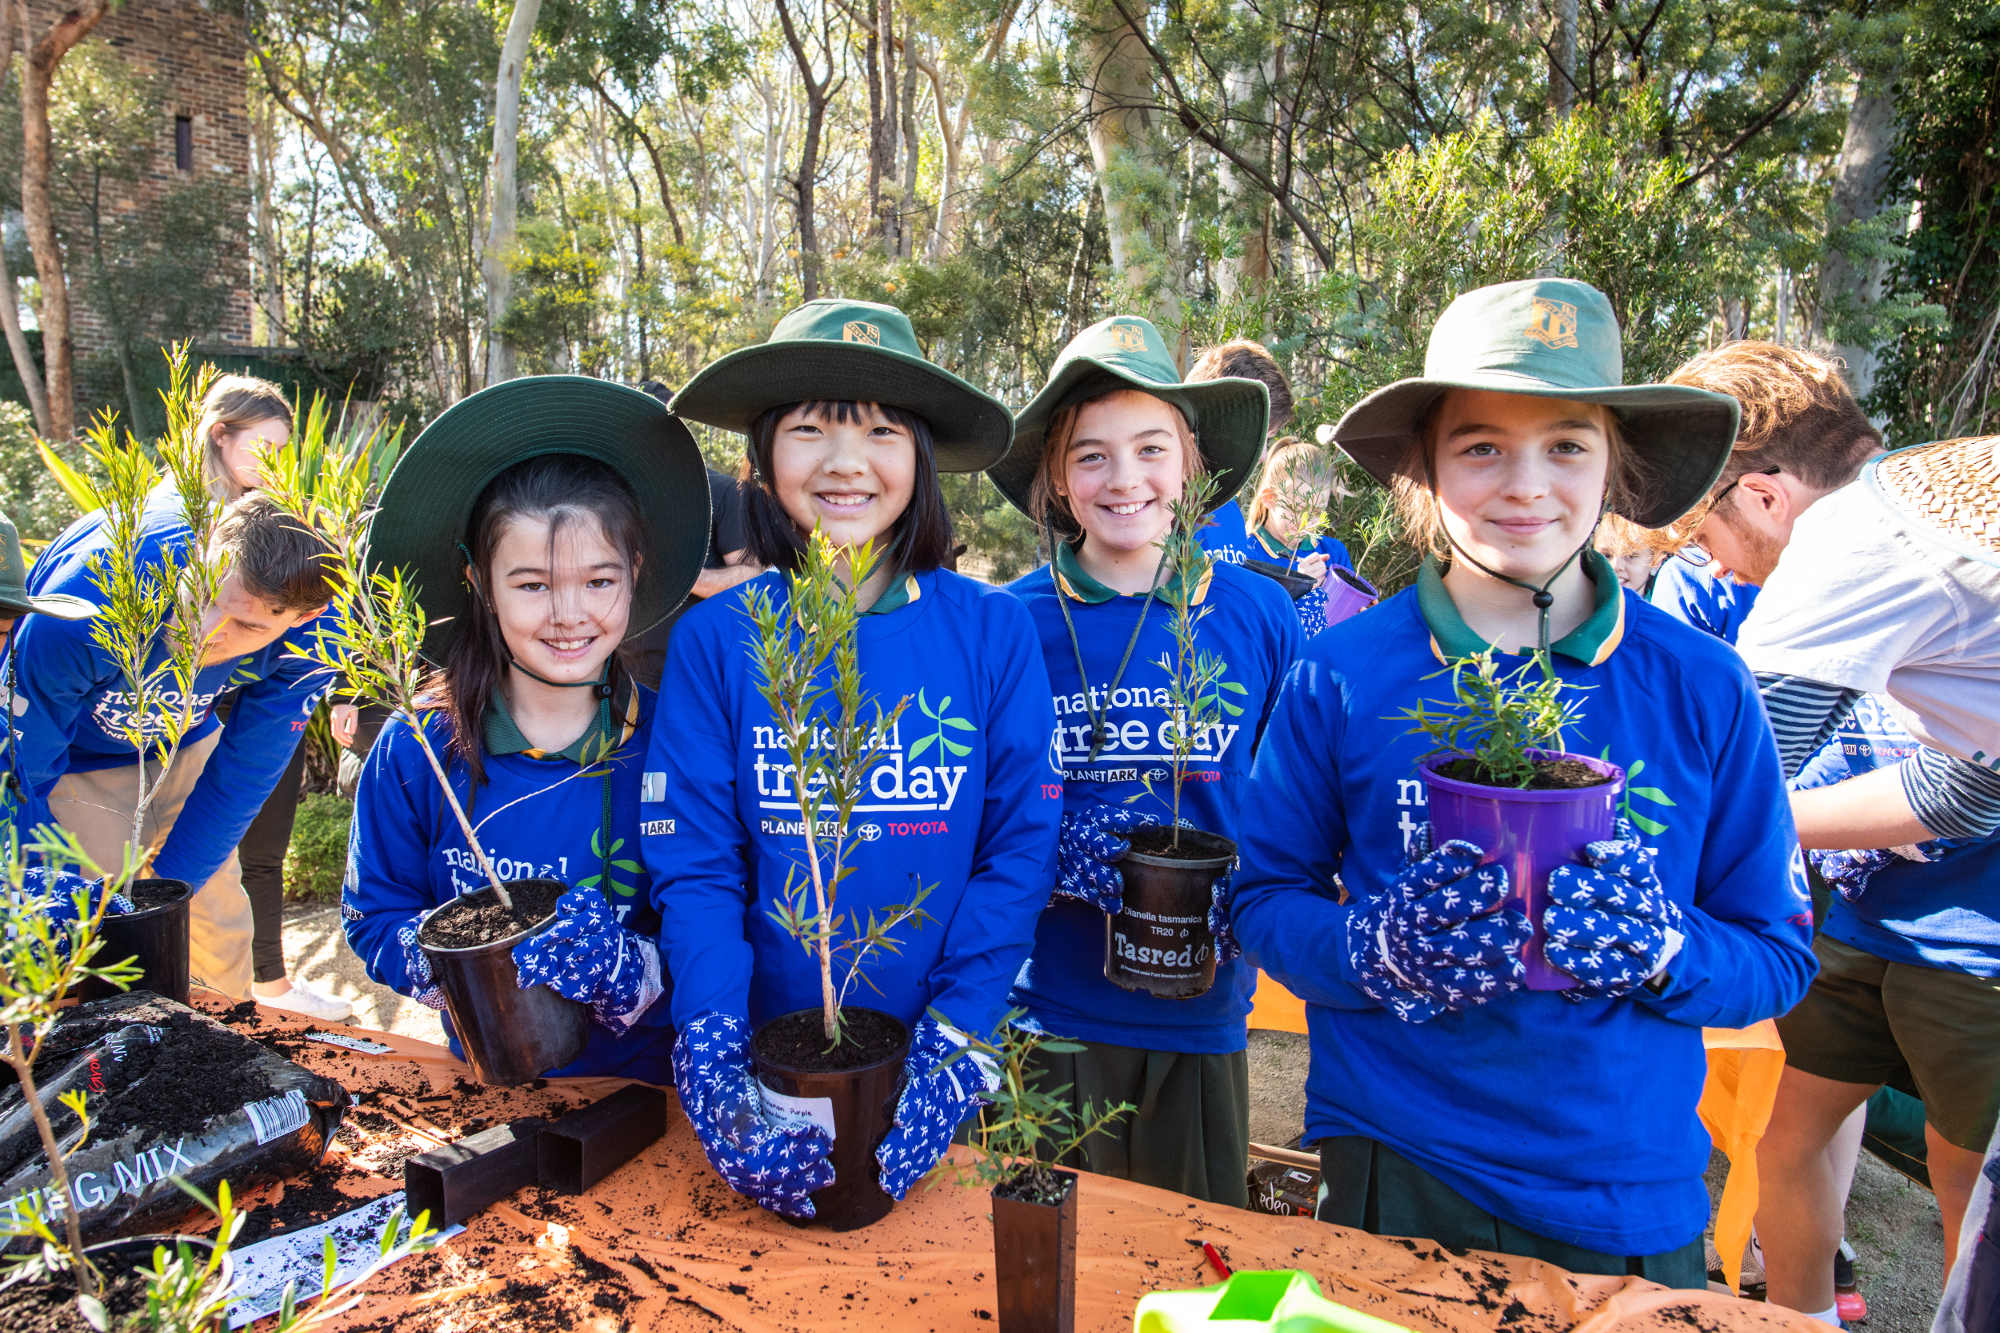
[1295, 584]
[1159, 941]
[509, 1035]
[114, 1258]
[855, 1106]
[156, 934]
[1034, 1258]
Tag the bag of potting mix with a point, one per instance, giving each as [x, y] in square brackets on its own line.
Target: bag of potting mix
[170, 1092]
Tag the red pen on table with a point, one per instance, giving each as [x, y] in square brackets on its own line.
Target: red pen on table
[1215, 1257]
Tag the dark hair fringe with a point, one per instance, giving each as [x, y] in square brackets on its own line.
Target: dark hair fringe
[554, 487]
[276, 557]
[919, 541]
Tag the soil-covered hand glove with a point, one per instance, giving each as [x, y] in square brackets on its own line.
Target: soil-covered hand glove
[424, 990]
[1438, 941]
[1088, 848]
[1609, 922]
[588, 957]
[1218, 916]
[777, 1163]
[939, 1092]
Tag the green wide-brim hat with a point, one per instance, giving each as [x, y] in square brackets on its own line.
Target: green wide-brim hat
[849, 351]
[1551, 338]
[426, 509]
[16, 600]
[1229, 417]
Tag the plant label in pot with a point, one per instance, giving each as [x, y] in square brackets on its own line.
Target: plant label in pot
[1034, 1251]
[1159, 941]
[1529, 830]
[849, 1091]
[509, 1035]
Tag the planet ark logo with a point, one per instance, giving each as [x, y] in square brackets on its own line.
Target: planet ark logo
[898, 785]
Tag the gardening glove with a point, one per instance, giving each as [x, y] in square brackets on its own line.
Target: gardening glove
[56, 894]
[1608, 922]
[423, 987]
[1847, 872]
[776, 1162]
[941, 1088]
[1218, 915]
[1439, 940]
[1089, 846]
[588, 957]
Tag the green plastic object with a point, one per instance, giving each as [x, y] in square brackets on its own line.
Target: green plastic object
[1283, 1301]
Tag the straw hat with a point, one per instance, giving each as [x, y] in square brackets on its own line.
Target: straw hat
[1953, 485]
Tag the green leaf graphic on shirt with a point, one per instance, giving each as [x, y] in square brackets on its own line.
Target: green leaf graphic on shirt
[619, 886]
[1644, 823]
[943, 721]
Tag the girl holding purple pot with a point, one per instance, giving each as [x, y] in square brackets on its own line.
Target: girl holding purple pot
[1448, 1099]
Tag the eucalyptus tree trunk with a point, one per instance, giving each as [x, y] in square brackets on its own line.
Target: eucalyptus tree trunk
[1849, 281]
[501, 230]
[1562, 58]
[1246, 205]
[906, 213]
[1135, 164]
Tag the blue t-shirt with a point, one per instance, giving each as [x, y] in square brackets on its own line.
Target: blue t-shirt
[538, 818]
[966, 802]
[71, 704]
[1573, 1120]
[1249, 624]
[1694, 596]
[1227, 537]
[1942, 913]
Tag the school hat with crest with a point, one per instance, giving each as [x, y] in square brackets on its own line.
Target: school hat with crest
[849, 351]
[16, 600]
[1551, 338]
[425, 516]
[1228, 416]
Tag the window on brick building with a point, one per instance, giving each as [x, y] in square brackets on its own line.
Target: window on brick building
[184, 143]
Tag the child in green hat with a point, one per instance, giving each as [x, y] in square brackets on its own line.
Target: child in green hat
[849, 426]
[1098, 461]
[15, 602]
[1446, 1099]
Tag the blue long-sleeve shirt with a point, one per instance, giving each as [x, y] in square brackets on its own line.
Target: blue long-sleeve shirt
[1694, 596]
[1574, 1120]
[72, 705]
[1250, 625]
[966, 801]
[1228, 537]
[539, 817]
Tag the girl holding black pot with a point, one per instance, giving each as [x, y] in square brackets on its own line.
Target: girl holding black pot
[848, 428]
[1447, 1099]
[1098, 460]
[542, 522]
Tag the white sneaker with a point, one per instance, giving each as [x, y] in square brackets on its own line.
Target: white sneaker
[304, 1000]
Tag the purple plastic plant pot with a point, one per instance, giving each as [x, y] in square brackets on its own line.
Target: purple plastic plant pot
[1347, 594]
[1528, 832]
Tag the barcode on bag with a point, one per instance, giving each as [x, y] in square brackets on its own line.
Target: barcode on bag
[275, 1117]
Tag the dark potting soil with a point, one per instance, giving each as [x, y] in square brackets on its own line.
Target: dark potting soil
[149, 893]
[1550, 774]
[1037, 1185]
[211, 1077]
[50, 1307]
[797, 1041]
[1195, 845]
[478, 918]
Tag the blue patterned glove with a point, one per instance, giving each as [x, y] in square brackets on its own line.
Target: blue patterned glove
[1088, 848]
[1218, 915]
[1439, 940]
[1609, 922]
[1848, 872]
[57, 894]
[776, 1162]
[588, 957]
[939, 1092]
[424, 989]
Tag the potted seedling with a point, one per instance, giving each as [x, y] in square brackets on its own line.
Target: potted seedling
[1022, 1131]
[372, 642]
[839, 1064]
[1159, 940]
[1500, 779]
[1308, 513]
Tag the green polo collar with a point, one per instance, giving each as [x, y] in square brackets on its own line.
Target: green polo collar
[1271, 544]
[1589, 643]
[611, 728]
[899, 594]
[1074, 581]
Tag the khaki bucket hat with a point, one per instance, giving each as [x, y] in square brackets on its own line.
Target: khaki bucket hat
[1550, 338]
[16, 600]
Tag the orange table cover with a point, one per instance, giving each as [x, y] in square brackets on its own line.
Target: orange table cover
[663, 1244]
[1743, 1069]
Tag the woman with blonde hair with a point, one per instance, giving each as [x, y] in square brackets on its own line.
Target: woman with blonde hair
[241, 417]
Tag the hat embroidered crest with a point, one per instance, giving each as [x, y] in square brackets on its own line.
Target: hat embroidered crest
[1552, 323]
[861, 331]
[1127, 337]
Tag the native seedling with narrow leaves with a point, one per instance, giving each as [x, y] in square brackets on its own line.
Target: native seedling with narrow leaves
[1495, 718]
[808, 669]
[1025, 1127]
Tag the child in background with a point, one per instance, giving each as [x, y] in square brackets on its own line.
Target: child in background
[1227, 534]
[1628, 547]
[1285, 525]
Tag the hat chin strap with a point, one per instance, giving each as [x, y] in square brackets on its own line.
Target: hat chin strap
[602, 685]
[1541, 596]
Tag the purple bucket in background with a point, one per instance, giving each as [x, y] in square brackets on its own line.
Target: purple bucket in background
[1347, 594]
[1529, 832]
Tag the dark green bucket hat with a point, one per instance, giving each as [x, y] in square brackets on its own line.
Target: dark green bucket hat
[16, 600]
[1229, 416]
[849, 351]
[1551, 338]
[426, 509]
